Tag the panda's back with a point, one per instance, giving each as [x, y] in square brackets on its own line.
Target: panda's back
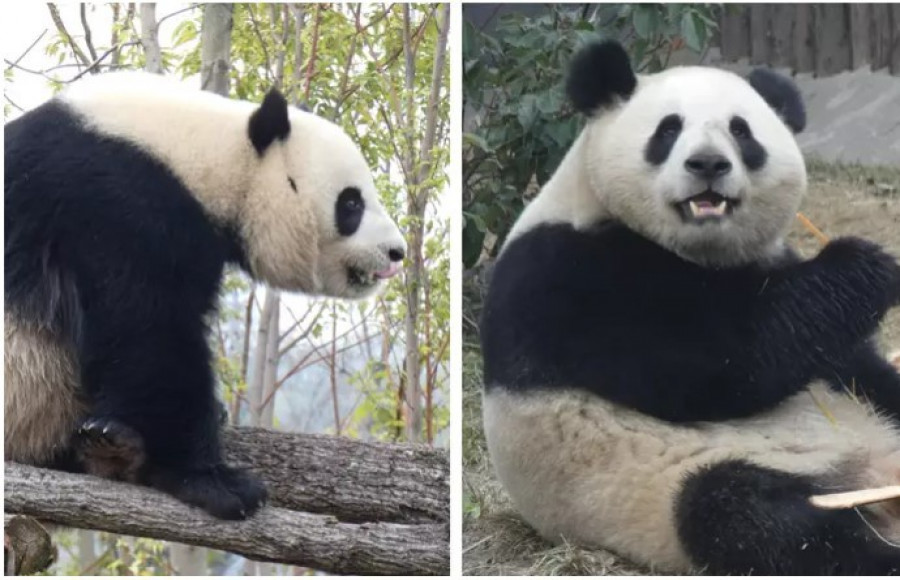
[79, 203]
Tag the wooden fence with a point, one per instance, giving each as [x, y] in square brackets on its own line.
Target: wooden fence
[824, 39]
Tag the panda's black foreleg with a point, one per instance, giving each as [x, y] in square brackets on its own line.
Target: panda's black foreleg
[815, 313]
[157, 383]
[738, 518]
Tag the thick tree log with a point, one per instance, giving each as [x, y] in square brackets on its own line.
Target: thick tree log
[355, 481]
[27, 548]
[274, 534]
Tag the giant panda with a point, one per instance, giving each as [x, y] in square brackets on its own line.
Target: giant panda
[664, 377]
[125, 197]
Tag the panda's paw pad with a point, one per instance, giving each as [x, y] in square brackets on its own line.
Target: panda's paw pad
[109, 448]
[222, 491]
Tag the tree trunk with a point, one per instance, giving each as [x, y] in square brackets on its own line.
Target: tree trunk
[418, 167]
[256, 387]
[270, 370]
[215, 47]
[150, 39]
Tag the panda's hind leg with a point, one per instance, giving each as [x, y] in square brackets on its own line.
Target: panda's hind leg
[738, 518]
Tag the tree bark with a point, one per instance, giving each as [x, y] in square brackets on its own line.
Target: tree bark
[215, 48]
[256, 387]
[272, 356]
[273, 535]
[27, 548]
[356, 481]
[150, 39]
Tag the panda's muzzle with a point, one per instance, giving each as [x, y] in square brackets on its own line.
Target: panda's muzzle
[706, 207]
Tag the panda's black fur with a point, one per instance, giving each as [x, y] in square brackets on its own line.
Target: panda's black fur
[603, 310]
[640, 316]
[111, 251]
[665, 321]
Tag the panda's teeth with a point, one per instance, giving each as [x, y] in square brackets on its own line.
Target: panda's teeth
[707, 209]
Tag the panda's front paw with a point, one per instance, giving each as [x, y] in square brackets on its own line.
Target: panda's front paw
[865, 266]
[222, 491]
[109, 448]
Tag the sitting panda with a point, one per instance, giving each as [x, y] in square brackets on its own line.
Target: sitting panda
[125, 197]
[664, 378]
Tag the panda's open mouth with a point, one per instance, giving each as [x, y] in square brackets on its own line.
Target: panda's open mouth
[708, 206]
[362, 278]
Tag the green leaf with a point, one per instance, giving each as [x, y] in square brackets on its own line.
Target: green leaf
[645, 20]
[693, 31]
[527, 111]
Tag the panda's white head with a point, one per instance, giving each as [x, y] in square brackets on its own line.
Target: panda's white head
[312, 220]
[700, 160]
[294, 187]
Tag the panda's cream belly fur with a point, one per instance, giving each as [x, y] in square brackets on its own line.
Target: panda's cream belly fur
[581, 468]
[40, 399]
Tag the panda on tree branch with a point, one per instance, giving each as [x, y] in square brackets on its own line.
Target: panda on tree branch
[655, 355]
[125, 197]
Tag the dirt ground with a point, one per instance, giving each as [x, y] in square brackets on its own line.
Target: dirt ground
[843, 200]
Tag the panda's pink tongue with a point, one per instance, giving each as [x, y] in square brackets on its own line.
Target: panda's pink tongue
[388, 272]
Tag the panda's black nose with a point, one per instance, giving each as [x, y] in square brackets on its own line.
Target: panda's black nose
[707, 165]
[396, 254]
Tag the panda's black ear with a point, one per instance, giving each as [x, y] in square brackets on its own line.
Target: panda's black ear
[782, 95]
[600, 72]
[270, 121]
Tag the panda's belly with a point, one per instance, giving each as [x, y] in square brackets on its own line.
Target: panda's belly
[41, 406]
[583, 469]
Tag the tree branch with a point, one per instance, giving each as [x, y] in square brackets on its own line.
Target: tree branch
[99, 59]
[87, 32]
[64, 32]
[27, 50]
[272, 535]
[13, 103]
[313, 52]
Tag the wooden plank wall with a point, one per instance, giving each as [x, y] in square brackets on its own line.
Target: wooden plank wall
[823, 39]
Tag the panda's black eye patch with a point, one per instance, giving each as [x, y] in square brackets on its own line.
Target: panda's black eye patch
[660, 144]
[753, 153]
[292, 184]
[348, 211]
[739, 128]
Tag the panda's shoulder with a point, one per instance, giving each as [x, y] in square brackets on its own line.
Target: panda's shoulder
[558, 263]
[567, 246]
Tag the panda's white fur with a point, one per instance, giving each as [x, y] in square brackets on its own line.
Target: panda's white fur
[39, 372]
[585, 470]
[608, 157]
[290, 238]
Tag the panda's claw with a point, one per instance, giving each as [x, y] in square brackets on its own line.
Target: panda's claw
[109, 448]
